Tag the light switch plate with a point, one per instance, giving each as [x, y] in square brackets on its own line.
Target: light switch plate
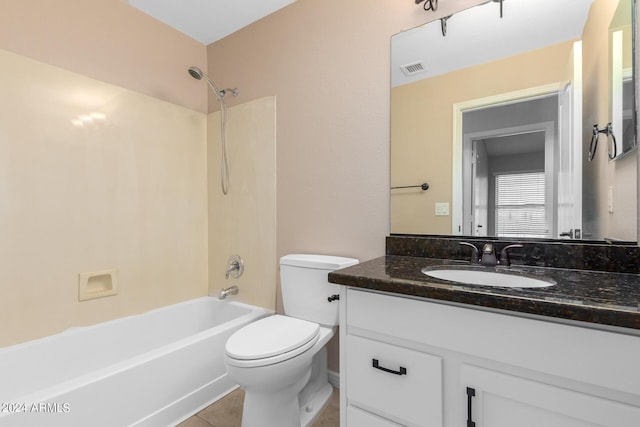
[442, 209]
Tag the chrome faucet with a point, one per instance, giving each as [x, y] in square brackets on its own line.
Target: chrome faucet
[504, 254]
[488, 257]
[475, 257]
[235, 267]
[231, 290]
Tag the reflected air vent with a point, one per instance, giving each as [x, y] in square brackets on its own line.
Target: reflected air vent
[413, 68]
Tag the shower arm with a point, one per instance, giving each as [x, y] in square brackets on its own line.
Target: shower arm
[234, 91]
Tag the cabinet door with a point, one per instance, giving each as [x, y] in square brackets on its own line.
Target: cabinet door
[394, 382]
[503, 400]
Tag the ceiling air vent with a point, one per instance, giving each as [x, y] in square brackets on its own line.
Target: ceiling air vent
[413, 68]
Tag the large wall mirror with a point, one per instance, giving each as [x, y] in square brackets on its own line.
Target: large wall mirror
[622, 94]
[496, 107]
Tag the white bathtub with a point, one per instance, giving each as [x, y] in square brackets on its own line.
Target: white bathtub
[153, 369]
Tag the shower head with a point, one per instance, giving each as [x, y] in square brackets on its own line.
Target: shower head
[196, 72]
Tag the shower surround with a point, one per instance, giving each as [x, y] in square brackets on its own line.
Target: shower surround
[95, 177]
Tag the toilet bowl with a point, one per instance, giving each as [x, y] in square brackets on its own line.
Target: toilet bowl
[273, 377]
[281, 361]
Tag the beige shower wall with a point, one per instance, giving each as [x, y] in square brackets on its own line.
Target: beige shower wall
[243, 222]
[126, 192]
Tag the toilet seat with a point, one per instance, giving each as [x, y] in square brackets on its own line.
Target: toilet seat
[271, 340]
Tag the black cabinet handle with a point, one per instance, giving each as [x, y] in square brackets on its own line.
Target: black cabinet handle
[402, 371]
[470, 393]
[334, 297]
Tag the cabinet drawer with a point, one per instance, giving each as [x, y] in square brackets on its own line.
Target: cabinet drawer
[404, 385]
[359, 418]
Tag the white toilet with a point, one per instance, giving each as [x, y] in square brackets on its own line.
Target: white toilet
[281, 361]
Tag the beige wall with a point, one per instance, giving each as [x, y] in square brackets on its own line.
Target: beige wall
[422, 126]
[601, 174]
[243, 222]
[107, 40]
[126, 192]
[142, 198]
[328, 63]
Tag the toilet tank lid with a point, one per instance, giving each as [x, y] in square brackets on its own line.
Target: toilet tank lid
[323, 262]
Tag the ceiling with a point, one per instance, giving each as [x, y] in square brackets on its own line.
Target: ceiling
[517, 144]
[478, 35]
[208, 20]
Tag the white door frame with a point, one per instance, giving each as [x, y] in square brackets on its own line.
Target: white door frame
[461, 107]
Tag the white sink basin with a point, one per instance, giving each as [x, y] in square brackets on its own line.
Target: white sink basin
[487, 278]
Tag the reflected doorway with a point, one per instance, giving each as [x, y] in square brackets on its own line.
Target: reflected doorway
[511, 190]
[509, 171]
[559, 115]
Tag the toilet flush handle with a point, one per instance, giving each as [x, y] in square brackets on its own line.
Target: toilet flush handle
[333, 298]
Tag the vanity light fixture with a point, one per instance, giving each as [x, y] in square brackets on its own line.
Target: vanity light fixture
[429, 4]
[496, 1]
[443, 25]
[433, 6]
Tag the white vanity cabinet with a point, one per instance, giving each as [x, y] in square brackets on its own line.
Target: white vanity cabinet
[411, 362]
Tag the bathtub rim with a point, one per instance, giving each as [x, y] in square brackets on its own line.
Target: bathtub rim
[51, 392]
[72, 330]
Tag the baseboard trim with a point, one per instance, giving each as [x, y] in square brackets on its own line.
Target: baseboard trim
[334, 378]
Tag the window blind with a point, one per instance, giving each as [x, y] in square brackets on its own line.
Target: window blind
[520, 205]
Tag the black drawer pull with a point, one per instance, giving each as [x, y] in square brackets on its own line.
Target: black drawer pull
[402, 371]
[471, 392]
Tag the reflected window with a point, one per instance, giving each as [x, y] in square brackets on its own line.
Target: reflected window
[520, 205]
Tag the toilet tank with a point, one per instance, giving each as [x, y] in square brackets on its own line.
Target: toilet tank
[305, 288]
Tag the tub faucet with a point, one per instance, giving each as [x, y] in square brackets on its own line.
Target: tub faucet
[231, 290]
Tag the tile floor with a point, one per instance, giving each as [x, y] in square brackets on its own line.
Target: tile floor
[227, 412]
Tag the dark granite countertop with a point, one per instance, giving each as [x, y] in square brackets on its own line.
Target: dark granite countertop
[596, 297]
